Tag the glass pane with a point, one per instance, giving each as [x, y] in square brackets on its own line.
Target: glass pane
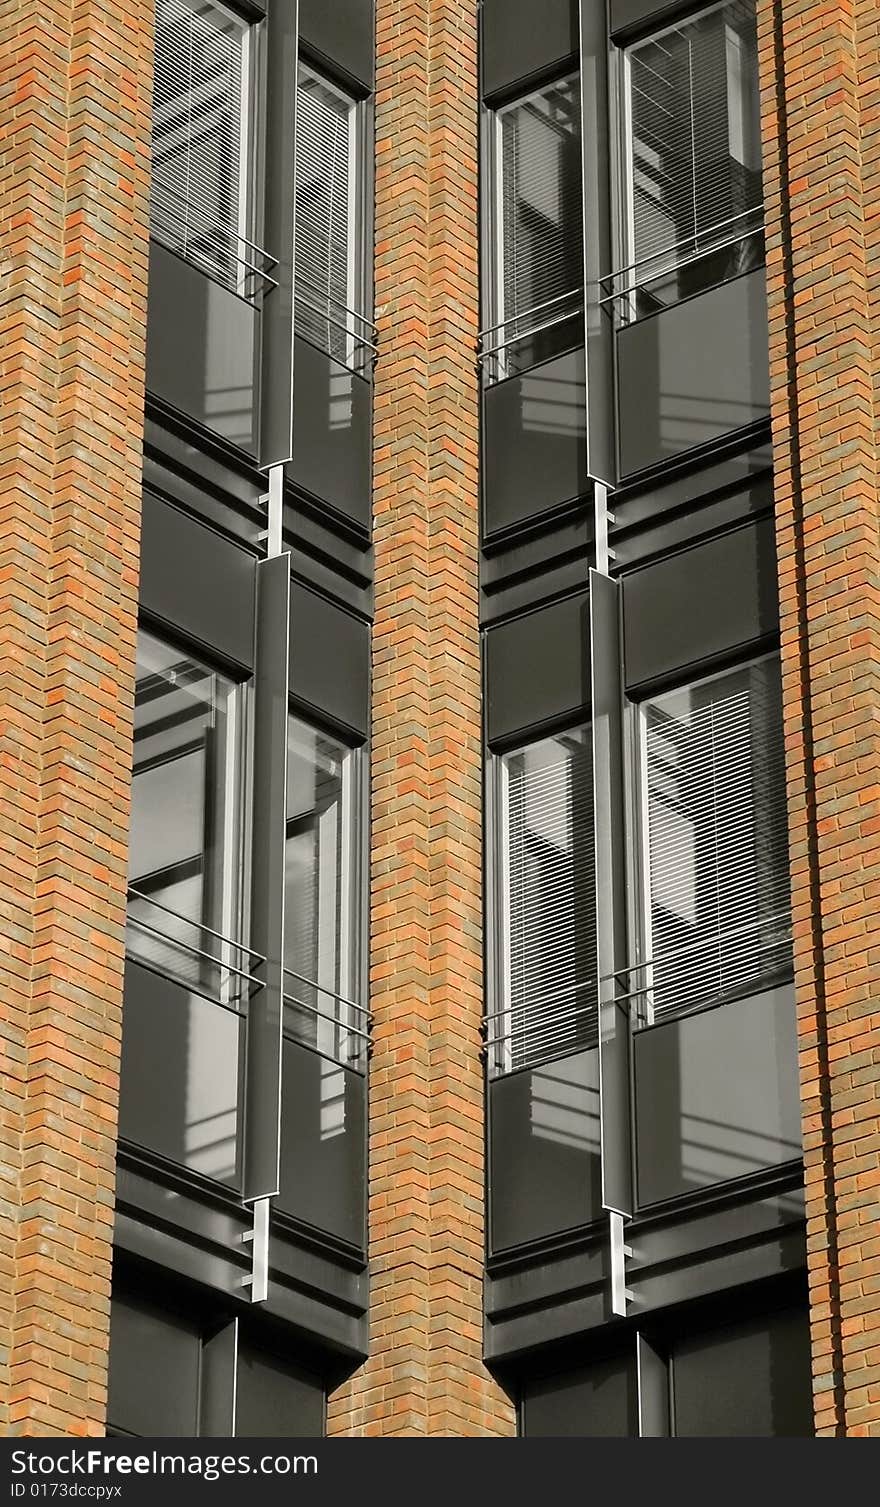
[695, 166]
[541, 232]
[198, 127]
[325, 216]
[719, 882]
[321, 922]
[549, 957]
[183, 857]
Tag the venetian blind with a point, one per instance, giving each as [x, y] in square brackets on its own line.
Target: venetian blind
[550, 911]
[718, 846]
[196, 205]
[325, 272]
[695, 134]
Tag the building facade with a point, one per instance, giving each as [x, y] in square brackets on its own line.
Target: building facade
[439, 739]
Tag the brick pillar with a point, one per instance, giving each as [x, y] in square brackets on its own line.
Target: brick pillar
[75, 85]
[820, 64]
[425, 1374]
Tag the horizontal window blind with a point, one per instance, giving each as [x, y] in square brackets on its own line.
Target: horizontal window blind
[325, 217]
[718, 845]
[550, 962]
[198, 126]
[695, 138]
[540, 234]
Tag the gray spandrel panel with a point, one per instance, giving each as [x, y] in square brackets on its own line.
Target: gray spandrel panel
[275, 1399]
[332, 434]
[534, 442]
[544, 1164]
[524, 37]
[198, 582]
[202, 343]
[323, 1144]
[538, 668]
[154, 1370]
[750, 1379]
[593, 1402]
[343, 33]
[329, 659]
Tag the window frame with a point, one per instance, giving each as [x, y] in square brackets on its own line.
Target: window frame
[638, 853]
[355, 322]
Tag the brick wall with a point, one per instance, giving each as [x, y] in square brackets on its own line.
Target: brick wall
[820, 66]
[425, 1374]
[74, 99]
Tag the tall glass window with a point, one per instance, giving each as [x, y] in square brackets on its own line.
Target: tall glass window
[322, 921]
[538, 268]
[329, 271]
[693, 155]
[718, 907]
[547, 923]
[184, 855]
[201, 146]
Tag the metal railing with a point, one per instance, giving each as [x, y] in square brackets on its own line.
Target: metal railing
[529, 1031]
[499, 344]
[216, 247]
[192, 954]
[338, 1027]
[345, 334]
[651, 283]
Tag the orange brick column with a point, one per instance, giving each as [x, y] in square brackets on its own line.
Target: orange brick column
[75, 83]
[425, 1375]
[820, 65]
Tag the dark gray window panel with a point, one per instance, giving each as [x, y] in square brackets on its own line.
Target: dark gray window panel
[521, 38]
[331, 434]
[197, 582]
[329, 660]
[275, 1399]
[544, 1163]
[650, 537]
[202, 343]
[538, 670]
[342, 33]
[717, 1095]
[534, 442]
[180, 1075]
[594, 1401]
[323, 1144]
[750, 1379]
[714, 600]
[626, 15]
[154, 1370]
[692, 374]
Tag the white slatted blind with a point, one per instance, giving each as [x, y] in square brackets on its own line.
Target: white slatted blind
[198, 103]
[695, 137]
[550, 958]
[325, 216]
[718, 845]
[541, 271]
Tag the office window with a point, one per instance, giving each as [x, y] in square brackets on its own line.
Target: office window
[184, 852]
[693, 156]
[547, 921]
[155, 1358]
[537, 266]
[329, 271]
[275, 1400]
[199, 197]
[749, 1379]
[718, 909]
[323, 900]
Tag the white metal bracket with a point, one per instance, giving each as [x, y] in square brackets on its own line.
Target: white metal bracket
[273, 502]
[258, 1239]
[620, 1293]
[604, 554]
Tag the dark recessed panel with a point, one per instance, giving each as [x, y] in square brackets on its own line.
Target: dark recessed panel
[343, 33]
[521, 37]
[534, 442]
[201, 348]
[750, 1379]
[276, 1400]
[329, 659]
[594, 1402]
[717, 1095]
[154, 1371]
[544, 1168]
[716, 599]
[323, 1144]
[331, 434]
[179, 1088]
[693, 373]
[538, 669]
[626, 15]
[197, 582]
